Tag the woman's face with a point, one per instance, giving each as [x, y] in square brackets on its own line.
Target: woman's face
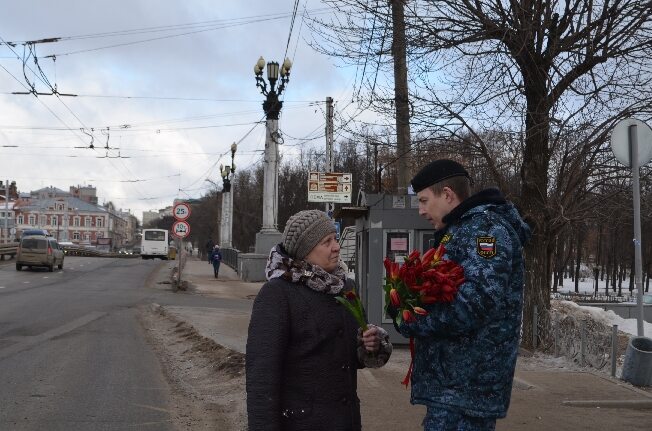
[326, 254]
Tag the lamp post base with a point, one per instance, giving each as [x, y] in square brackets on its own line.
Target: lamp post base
[266, 239]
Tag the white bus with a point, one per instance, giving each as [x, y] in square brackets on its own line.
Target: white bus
[154, 244]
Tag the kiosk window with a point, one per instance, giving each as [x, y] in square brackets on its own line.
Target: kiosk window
[398, 246]
[428, 242]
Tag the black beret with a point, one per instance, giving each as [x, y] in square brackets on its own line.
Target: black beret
[437, 171]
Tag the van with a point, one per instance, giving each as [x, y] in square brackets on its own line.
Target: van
[31, 232]
[39, 250]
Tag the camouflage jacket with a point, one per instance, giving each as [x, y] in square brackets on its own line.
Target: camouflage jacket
[465, 351]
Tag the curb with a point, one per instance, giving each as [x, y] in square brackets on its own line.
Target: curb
[610, 404]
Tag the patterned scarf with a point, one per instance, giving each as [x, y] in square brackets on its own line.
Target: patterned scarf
[280, 265]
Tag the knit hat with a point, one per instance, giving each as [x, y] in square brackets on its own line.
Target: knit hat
[304, 230]
[437, 171]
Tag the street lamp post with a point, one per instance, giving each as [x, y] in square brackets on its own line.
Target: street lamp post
[269, 235]
[226, 224]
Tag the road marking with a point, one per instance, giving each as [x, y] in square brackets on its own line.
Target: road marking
[26, 282]
[2, 287]
[45, 277]
[158, 409]
[29, 342]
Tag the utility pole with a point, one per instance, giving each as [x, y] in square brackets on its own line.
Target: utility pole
[330, 207]
[401, 94]
[6, 235]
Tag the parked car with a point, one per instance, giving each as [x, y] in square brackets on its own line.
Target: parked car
[39, 250]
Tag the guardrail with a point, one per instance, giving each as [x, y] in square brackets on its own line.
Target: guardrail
[75, 250]
[9, 249]
[230, 257]
[580, 297]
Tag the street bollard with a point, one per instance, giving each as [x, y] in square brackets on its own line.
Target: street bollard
[556, 333]
[582, 343]
[614, 349]
[535, 323]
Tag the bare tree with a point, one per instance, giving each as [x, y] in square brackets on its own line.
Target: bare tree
[546, 71]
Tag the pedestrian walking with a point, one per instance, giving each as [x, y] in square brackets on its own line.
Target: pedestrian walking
[216, 259]
[209, 249]
[465, 350]
[303, 347]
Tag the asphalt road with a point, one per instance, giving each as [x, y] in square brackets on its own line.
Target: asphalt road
[73, 355]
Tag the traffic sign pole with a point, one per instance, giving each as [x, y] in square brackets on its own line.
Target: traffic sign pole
[636, 191]
[631, 143]
[180, 229]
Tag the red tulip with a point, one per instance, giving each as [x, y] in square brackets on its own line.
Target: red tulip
[392, 269]
[350, 295]
[427, 256]
[414, 255]
[408, 316]
[394, 297]
[420, 311]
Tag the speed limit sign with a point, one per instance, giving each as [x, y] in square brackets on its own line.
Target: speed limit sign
[181, 211]
[181, 229]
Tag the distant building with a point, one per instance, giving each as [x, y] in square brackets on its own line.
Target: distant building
[149, 216]
[66, 218]
[13, 192]
[85, 193]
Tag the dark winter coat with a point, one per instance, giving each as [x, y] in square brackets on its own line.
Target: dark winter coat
[216, 256]
[466, 350]
[301, 361]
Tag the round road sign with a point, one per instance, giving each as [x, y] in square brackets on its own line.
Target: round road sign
[181, 229]
[620, 141]
[181, 211]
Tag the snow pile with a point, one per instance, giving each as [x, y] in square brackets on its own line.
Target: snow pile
[607, 318]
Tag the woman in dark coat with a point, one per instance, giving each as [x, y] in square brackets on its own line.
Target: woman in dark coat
[303, 347]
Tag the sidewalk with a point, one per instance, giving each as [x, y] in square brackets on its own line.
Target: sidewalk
[547, 394]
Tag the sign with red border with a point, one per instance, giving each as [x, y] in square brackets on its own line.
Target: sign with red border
[181, 229]
[181, 211]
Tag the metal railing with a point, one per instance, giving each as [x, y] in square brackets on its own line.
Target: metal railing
[583, 297]
[9, 249]
[75, 250]
[578, 337]
[230, 257]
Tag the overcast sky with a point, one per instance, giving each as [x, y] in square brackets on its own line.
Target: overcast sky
[144, 98]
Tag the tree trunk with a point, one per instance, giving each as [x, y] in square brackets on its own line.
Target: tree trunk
[578, 261]
[534, 204]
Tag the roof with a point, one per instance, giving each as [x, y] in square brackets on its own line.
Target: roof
[74, 204]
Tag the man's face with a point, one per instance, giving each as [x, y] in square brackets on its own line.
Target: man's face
[325, 254]
[435, 207]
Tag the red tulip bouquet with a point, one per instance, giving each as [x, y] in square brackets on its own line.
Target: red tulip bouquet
[420, 281]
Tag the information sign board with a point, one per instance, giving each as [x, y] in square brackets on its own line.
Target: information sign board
[333, 187]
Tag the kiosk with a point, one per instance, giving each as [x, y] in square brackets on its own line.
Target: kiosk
[385, 225]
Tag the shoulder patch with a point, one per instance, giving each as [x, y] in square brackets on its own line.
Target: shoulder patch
[486, 246]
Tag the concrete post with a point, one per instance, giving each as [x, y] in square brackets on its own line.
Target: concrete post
[270, 188]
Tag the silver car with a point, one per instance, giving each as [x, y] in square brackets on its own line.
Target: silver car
[39, 250]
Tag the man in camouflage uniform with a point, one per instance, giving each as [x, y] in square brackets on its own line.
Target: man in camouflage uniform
[465, 351]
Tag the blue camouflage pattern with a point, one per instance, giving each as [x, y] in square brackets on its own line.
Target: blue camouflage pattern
[445, 420]
[465, 351]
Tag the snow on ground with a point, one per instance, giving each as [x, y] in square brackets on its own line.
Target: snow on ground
[586, 286]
